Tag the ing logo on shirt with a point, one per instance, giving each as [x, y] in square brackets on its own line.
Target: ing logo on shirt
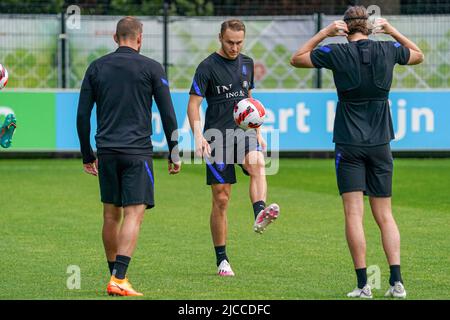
[223, 89]
[229, 95]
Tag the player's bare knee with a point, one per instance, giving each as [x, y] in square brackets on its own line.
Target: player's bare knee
[112, 214]
[111, 219]
[221, 199]
[385, 219]
[255, 166]
[221, 202]
[354, 212]
[255, 170]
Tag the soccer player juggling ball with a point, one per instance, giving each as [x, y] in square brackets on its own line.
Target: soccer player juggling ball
[224, 78]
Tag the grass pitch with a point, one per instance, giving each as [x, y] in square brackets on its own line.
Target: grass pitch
[50, 218]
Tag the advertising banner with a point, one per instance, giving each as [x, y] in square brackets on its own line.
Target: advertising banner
[295, 120]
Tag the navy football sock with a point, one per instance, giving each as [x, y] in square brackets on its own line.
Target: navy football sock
[121, 266]
[361, 274]
[111, 266]
[396, 275]
[258, 206]
[221, 254]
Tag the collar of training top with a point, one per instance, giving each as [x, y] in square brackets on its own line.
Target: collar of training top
[226, 59]
[126, 49]
[361, 41]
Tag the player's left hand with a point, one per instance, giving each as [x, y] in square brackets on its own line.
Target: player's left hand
[381, 25]
[174, 167]
[261, 141]
[91, 168]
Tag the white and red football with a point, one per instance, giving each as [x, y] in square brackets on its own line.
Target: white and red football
[249, 113]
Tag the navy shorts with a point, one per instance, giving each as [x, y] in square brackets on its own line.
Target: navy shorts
[220, 166]
[366, 169]
[126, 179]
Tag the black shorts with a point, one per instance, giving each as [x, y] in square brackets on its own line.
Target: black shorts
[367, 169]
[220, 166]
[126, 179]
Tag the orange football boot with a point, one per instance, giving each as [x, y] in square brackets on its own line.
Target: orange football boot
[121, 287]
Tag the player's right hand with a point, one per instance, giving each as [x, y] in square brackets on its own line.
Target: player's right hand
[91, 168]
[337, 28]
[202, 148]
[174, 167]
